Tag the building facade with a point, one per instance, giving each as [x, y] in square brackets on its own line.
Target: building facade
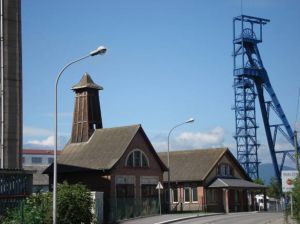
[120, 162]
[36, 161]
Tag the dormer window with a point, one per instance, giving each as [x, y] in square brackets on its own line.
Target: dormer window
[137, 159]
[225, 170]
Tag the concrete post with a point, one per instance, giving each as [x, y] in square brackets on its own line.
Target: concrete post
[225, 200]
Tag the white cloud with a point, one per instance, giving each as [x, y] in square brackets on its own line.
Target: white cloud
[193, 140]
[212, 138]
[47, 143]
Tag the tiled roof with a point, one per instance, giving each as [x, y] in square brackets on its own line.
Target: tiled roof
[103, 150]
[234, 183]
[86, 82]
[191, 165]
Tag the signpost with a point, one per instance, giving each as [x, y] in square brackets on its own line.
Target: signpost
[288, 177]
[159, 187]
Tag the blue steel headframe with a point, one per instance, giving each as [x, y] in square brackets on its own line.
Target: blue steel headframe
[248, 66]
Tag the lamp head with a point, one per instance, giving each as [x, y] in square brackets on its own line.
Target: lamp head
[99, 51]
[191, 120]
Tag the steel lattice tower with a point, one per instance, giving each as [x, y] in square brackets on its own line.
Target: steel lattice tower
[251, 80]
[245, 117]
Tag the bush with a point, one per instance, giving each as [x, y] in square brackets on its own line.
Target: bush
[35, 209]
[74, 205]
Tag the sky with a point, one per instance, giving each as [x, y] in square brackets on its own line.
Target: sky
[167, 61]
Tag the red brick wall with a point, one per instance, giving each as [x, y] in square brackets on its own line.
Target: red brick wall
[139, 143]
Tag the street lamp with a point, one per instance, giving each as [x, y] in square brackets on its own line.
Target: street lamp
[191, 120]
[99, 51]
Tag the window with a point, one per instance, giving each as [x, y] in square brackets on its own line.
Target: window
[129, 162]
[225, 170]
[50, 160]
[149, 191]
[186, 194]
[137, 158]
[36, 160]
[175, 195]
[125, 190]
[194, 194]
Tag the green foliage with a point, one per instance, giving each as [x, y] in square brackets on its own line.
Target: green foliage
[35, 209]
[259, 181]
[274, 189]
[74, 204]
[296, 198]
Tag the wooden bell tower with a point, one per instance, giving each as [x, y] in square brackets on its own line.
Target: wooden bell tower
[87, 114]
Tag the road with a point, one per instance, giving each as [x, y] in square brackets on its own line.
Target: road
[238, 218]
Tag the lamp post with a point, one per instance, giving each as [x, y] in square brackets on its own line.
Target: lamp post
[191, 120]
[99, 51]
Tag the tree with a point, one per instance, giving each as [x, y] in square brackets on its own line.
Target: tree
[259, 181]
[296, 198]
[274, 189]
[74, 205]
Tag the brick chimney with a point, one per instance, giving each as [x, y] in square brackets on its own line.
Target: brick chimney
[87, 114]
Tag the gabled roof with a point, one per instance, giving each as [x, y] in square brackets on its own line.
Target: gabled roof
[103, 150]
[234, 183]
[86, 82]
[192, 165]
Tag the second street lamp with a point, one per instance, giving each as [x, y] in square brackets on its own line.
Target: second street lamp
[191, 120]
[99, 51]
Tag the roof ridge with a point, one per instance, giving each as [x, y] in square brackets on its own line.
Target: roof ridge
[196, 150]
[108, 128]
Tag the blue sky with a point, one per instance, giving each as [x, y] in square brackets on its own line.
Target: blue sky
[166, 61]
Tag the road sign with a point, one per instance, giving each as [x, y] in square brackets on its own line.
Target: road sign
[159, 186]
[288, 177]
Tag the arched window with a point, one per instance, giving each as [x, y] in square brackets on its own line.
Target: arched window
[225, 170]
[138, 159]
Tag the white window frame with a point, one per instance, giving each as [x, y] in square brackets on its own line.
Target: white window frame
[192, 194]
[141, 159]
[189, 194]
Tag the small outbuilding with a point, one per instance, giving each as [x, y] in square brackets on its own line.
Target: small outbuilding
[209, 180]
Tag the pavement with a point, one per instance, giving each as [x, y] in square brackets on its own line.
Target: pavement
[167, 218]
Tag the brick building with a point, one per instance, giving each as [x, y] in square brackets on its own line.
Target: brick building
[209, 180]
[120, 161]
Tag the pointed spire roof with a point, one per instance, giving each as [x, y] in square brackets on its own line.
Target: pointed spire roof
[86, 82]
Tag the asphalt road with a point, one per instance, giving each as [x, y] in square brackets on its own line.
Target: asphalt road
[238, 218]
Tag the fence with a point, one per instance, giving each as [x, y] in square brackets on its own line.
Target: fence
[15, 185]
[125, 208]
